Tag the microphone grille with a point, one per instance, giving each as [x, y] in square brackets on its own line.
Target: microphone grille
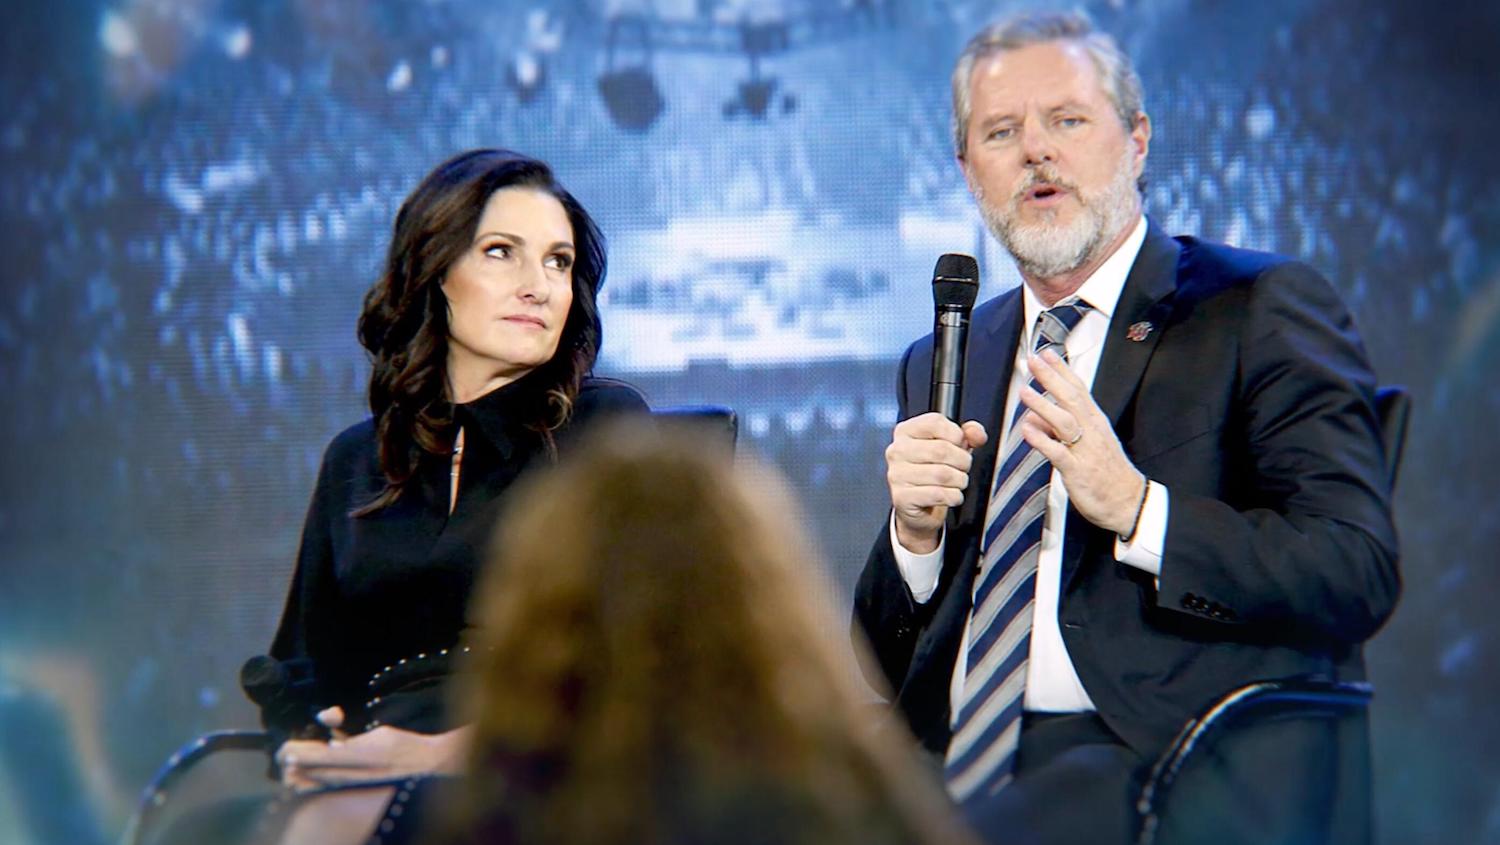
[955, 281]
[263, 678]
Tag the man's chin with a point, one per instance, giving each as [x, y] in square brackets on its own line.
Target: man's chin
[1030, 214]
[1050, 253]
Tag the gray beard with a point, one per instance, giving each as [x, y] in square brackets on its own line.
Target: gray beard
[1045, 250]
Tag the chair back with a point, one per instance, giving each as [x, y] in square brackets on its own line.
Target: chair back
[718, 423]
[1339, 705]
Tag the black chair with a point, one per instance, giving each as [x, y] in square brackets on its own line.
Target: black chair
[716, 424]
[1343, 703]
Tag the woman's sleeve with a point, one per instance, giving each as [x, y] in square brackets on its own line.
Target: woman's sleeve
[300, 634]
[304, 638]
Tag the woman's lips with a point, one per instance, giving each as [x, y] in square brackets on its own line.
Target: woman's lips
[523, 320]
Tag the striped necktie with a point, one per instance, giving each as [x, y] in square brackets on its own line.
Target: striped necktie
[982, 752]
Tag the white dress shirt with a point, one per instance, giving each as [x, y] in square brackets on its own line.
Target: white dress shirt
[1052, 684]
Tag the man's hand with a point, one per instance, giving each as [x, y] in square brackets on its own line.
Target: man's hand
[1068, 428]
[927, 468]
[384, 752]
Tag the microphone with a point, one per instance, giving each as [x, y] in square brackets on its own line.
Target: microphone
[285, 690]
[955, 286]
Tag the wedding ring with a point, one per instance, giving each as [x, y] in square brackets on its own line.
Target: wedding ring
[1077, 437]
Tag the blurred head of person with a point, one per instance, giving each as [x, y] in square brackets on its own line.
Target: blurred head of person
[1051, 131]
[656, 658]
[492, 275]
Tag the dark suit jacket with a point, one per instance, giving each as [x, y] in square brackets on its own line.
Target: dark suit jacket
[1252, 400]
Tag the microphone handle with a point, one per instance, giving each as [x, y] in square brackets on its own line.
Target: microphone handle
[950, 341]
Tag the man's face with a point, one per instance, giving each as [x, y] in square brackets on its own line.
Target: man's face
[1047, 158]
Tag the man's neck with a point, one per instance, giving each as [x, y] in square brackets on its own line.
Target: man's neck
[1055, 289]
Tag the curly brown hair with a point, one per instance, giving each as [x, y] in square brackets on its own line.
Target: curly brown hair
[404, 324]
[665, 669]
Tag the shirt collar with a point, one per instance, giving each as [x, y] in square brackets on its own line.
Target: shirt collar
[1102, 289]
[502, 414]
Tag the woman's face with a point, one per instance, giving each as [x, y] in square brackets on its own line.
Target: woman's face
[509, 295]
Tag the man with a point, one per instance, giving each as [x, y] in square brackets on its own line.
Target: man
[1168, 481]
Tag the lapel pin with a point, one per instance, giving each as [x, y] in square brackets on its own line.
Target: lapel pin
[1138, 331]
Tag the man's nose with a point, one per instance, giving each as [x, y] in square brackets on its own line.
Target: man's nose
[1037, 145]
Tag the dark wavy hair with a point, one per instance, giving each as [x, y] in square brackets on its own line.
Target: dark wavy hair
[404, 324]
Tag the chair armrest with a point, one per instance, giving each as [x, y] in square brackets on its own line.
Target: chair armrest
[1298, 696]
[178, 765]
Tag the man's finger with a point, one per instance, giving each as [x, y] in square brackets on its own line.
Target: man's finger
[974, 434]
[939, 452]
[1058, 421]
[1053, 377]
[1063, 370]
[1031, 431]
[931, 426]
[930, 496]
[925, 475]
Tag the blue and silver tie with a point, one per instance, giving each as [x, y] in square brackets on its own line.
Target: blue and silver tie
[982, 752]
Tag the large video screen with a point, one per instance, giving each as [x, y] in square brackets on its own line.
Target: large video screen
[196, 195]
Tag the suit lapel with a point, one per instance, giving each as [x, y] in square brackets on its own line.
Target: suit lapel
[991, 358]
[1146, 299]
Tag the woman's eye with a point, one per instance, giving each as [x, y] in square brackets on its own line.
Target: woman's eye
[560, 261]
[497, 250]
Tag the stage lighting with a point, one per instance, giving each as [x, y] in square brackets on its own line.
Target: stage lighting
[629, 87]
[755, 96]
[526, 74]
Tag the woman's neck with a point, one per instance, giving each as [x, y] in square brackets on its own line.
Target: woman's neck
[467, 380]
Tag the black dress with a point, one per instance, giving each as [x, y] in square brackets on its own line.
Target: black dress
[377, 603]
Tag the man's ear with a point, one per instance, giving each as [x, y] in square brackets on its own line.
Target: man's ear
[963, 167]
[1140, 136]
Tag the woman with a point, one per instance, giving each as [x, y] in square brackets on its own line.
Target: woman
[667, 671]
[482, 330]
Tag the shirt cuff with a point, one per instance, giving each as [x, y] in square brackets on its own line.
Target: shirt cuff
[1144, 550]
[920, 572]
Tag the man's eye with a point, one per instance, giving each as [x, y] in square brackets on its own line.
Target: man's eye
[1070, 121]
[1001, 133]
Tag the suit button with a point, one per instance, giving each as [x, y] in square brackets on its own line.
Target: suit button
[1189, 601]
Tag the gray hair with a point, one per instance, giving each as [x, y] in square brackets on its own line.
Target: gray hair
[1121, 82]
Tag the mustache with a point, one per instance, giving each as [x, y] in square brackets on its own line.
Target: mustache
[1042, 175]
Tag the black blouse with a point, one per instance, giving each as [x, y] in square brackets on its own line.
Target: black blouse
[374, 592]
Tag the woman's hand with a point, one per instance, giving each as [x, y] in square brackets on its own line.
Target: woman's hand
[382, 753]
